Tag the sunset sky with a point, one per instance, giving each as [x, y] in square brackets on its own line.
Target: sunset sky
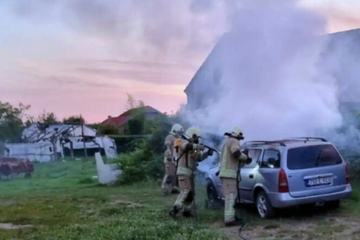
[73, 58]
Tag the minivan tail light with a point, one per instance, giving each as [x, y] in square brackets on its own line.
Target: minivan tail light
[283, 183]
[347, 174]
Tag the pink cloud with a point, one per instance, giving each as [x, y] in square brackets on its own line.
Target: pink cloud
[340, 19]
[95, 96]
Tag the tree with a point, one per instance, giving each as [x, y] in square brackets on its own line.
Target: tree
[11, 121]
[132, 103]
[74, 120]
[138, 122]
[141, 103]
[108, 129]
[144, 163]
[48, 118]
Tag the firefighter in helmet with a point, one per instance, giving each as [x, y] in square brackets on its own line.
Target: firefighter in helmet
[169, 182]
[231, 160]
[190, 153]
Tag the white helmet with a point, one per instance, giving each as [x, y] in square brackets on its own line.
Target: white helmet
[193, 133]
[236, 132]
[177, 129]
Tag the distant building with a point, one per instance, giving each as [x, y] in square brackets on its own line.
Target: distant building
[50, 142]
[122, 121]
[341, 58]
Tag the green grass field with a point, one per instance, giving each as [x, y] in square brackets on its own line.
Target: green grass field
[62, 201]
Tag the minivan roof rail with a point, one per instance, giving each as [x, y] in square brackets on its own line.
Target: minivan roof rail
[266, 142]
[307, 139]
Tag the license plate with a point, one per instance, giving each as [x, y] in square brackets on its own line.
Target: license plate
[318, 181]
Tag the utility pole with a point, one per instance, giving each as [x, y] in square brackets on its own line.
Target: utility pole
[83, 137]
[72, 149]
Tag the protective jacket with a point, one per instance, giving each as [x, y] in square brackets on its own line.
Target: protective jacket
[189, 155]
[169, 144]
[230, 157]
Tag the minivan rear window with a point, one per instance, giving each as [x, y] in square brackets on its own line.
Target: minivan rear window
[312, 157]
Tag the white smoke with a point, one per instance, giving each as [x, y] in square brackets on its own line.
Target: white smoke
[273, 84]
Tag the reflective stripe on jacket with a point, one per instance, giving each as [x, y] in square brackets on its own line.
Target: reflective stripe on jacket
[187, 161]
[230, 164]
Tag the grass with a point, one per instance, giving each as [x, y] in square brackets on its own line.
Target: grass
[63, 201]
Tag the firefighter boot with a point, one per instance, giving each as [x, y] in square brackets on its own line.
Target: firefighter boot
[237, 222]
[187, 211]
[173, 211]
[175, 190]
[188, 214]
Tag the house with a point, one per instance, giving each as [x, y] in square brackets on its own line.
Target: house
[125, 120]
[342, 50]
[45, 143]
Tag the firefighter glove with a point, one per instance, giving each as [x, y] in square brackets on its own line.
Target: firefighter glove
[199, 147]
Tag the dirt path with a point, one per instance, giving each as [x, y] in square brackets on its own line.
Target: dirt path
[315, 228]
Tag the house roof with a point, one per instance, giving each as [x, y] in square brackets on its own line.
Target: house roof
[127, 115]
[218, 46]
[120, 120]
[36, 133]
[352, 35]
[145, 109]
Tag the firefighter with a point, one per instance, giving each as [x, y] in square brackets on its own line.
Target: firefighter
[231, 159]
[190, 152]
[169, 182]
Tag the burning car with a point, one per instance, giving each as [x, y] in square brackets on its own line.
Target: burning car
[288, 173]
[15, 166]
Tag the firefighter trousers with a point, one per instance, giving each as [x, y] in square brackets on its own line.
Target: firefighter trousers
[169, 182]
[230, 193]
[186, 196]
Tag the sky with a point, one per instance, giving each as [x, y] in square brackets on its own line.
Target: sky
[75, 57]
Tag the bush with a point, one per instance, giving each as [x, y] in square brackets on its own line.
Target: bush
[140, 165]
[146, 161]
[127, 143]
[107, 129]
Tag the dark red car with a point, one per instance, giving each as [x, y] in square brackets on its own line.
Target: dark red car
[15, 166]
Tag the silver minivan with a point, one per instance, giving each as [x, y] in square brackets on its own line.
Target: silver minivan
[287, 173]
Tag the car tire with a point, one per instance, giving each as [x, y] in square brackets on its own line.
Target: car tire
[263, 206]
[333, 204]
[212, 196]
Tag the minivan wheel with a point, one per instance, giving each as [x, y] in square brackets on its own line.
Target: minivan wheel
[263, 206]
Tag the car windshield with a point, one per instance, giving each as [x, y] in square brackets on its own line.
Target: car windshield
[312, 156]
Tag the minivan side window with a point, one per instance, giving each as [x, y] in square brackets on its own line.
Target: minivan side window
[255, 155]
[271, 159]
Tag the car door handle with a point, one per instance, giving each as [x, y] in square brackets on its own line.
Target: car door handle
[251, 176]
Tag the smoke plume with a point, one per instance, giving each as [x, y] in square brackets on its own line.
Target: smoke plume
[270, 83]
[272, 80]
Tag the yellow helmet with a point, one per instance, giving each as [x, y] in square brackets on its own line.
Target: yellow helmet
[177, 129]
[193, 133]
